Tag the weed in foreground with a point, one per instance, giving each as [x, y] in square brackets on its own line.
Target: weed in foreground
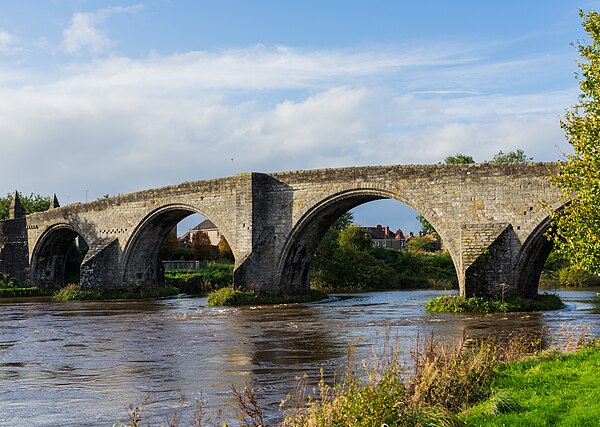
[444, 380]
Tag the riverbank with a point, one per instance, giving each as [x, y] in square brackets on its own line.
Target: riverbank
[555, 389]
[473, 384]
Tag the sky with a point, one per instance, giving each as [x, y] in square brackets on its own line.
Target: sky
[101, 97]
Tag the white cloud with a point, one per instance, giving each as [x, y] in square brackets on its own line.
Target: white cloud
[117, 124]
[83, 31]
[8, 43]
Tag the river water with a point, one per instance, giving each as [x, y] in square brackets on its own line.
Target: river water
[83, 363]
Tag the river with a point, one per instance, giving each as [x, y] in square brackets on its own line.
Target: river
[83, 363]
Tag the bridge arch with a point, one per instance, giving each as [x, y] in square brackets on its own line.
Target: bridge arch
[531, 258]
[300, 246]
[141, 264]
[49, 256]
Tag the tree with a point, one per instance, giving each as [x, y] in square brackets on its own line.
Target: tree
[517, 156]
[201, 247]
[426, 227]
[225, 251]
[345, 220]
[422, 244]
[329, 241]
[32, 203]
[458, 159]
[576, 230]
[354, 237]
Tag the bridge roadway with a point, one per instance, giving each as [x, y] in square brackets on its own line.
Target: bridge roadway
[491, 218]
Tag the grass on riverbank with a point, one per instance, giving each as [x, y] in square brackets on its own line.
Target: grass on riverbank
[558, 390]
[11, 288]
[232, 297]
[74, 291]
[198, 282]
[459, 304]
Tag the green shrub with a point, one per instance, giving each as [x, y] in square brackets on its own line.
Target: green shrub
[459, 304]
[214, 276]
[12, 288]
[233, 297]
[422, 244]
[419, 269]
[74, 291]
[574, 276]
[350, 268]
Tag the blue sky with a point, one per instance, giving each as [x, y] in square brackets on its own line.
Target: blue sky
[114, 97]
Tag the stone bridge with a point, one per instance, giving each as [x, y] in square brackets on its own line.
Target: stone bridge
[492, 220]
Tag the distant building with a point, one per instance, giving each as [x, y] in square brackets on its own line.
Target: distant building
[206, 226]
[383, 237]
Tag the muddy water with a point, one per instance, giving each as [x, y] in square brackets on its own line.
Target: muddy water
[82, 363]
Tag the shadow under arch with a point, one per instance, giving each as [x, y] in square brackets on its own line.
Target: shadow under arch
[532, 257]
[49, 256]
[298, 250]
[141, 265]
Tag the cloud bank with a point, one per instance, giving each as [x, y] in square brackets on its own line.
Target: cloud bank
[115, 124]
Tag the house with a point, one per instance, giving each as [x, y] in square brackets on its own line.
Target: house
[385, 238]
[206, 226]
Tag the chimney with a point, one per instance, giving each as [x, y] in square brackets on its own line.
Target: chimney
[387, 231]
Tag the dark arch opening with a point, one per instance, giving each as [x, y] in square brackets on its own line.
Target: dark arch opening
[298, 251]
[144, 266]
[531, 260]
[57, 259]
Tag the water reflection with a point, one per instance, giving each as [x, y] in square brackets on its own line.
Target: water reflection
[82, 363]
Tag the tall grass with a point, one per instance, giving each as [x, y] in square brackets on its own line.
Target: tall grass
[444, 380]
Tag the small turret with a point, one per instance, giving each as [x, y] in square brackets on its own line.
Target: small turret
[16, 209]
[54, 204]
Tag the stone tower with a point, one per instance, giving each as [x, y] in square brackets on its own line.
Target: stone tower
[54, 204]
[16, 209]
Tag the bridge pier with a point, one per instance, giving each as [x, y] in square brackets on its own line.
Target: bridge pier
[487, 259]
[100, 267]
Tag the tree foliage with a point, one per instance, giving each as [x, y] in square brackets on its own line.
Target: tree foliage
[225, 251]
[517, 156]
[32, 203]
[576, 230]
[458, 159]
[354, 237]
[343, 259]
[426, 227]
[201, 247]
[421, 244]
